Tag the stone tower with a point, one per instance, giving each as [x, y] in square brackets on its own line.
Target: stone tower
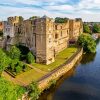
[44, 40]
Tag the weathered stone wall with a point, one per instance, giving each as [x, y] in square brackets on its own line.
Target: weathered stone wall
[61, 70]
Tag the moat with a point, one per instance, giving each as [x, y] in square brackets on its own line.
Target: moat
[80, 83]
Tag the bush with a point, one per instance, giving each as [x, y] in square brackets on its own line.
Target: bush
[4, 61]
[34, 91]
[87, 42]
[18, 69]
[30, 58]
[9, 91]
[14, 53]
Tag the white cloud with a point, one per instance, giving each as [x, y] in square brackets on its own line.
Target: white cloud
[87, 9]
[60, 7]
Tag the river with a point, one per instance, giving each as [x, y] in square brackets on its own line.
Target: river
[80, 83]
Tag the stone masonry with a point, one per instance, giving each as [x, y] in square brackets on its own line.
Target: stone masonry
[42, 36]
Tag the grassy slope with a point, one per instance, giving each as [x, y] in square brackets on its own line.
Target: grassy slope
[41, 70]
[60, 59]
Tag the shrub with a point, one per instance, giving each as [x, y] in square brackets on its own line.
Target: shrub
[18, 69]
[4, 61]
[9, 91]
[30, 58]
[14, 53]
[34, 91]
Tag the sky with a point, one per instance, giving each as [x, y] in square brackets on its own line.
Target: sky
[88, 10]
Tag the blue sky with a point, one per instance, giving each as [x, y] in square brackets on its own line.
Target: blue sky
[88, 10]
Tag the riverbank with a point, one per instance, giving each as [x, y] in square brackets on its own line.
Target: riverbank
[81, 83]
[45, 81]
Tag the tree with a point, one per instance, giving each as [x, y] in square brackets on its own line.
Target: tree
[34, 91]
[1, 33]
[61, 20]
[18, 69]
[4, 61]
[14, 53]
[30, 58]
[87, 42]
[9, 91]
[86, 29]
[33, 17]
[96, 28]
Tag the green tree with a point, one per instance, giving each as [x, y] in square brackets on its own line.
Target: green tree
[34, 91]
[1, 33]
[9, 91]
[14, 53]
[18, 69]
[4, 61]
[87, 42]
[30, 58]
[86, 29]
[33, 17]
[61, 20]
[96, 28]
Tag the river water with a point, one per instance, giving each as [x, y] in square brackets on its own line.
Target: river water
[80, 83]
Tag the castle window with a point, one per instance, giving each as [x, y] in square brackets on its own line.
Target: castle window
[56, 36]
[56, 27]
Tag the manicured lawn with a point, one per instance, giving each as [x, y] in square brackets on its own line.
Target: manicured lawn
[59, 60]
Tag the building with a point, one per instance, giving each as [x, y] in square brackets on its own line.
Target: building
[43, 36]
[76, 28]
[1, 26]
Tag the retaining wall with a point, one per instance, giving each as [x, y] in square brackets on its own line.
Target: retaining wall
[44, 82]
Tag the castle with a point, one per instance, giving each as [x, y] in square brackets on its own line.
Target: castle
[43, 36]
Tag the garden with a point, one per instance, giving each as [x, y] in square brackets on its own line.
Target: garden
[14, 61]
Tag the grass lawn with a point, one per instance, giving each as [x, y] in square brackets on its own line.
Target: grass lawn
[40, 70]
[59, 60]
[25, 78]
[29, 76]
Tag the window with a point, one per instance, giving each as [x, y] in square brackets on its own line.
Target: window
[56, 27]
[56, 36]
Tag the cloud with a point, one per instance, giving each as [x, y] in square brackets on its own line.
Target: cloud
[87, 9]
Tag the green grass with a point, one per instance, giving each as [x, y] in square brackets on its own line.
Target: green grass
[25, 78]
[29, 76]
[41, 70]
[59, 60]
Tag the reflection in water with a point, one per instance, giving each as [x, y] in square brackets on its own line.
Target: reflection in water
[87, 58]
[80, 83]
[48, 94]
